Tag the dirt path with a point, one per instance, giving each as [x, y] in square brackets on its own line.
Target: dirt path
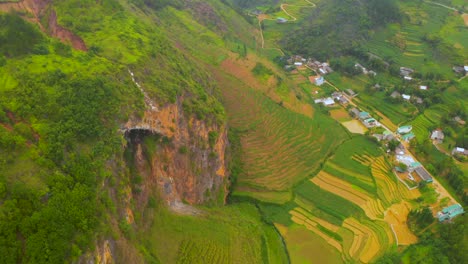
[442, 5]
[263, 17]
[283, 8]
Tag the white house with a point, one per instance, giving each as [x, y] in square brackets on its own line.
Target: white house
[404, 129]
[408, 78]
[406, 97]
[423, 87]
[466, 69]
[328, 101]
[319, 80]
[298, 64]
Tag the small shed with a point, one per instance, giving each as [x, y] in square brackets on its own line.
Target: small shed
[423, 174]
[438, 135]
[354, 112]
[406, 97]
[395, 95]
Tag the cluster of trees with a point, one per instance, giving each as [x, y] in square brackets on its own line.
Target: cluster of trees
[17, 37]
[57, 221]
[445, 243]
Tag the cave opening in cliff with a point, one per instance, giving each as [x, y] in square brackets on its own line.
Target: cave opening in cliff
[136, 136]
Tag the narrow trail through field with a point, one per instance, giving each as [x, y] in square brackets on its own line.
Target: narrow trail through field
[442, 5]
[283, 7]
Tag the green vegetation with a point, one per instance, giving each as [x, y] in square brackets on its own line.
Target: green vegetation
[13, 44]
[354, 21]
[239, 236]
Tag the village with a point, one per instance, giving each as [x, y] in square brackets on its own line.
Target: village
[407, 169]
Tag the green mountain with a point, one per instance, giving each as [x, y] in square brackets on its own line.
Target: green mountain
[157, 131]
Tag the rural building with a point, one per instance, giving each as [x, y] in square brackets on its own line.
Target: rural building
[458, 69]
[317, 80]
[298, 64]
[395, 95]
[406, 97]
[354, 112]
[350, 92]
[407, 78]
[438, 136]
[364, 115]
[423, 87]
[459, 120]
[460, 151]
[423, 174]
[336, 95]
[388, 135]
[377, 86]
[373, 73]
[418, 100]
[400, 150]
[404, 129]
[328, 101]
[450, 212]
[360, 67]
[408, 137]
[404, 71]
[370, 122]
[466, 69]
[343, 100]
[281, 20]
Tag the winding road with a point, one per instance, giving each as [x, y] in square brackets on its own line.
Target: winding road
[283, 7]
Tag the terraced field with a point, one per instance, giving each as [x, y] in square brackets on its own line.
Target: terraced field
[346, 203]
[405, 45]
[280, 147]
[421, 127]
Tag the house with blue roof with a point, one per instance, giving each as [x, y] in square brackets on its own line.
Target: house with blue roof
[408, 137]
[450, 212]
[364, 115]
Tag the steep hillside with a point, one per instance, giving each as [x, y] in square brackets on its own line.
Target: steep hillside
[102, 117]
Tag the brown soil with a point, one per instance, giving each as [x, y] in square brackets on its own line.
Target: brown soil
[64, 34]
[465, 18]
[339, 114]
[396, 216]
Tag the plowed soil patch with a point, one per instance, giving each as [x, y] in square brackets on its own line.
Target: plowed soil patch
[340, 115]
[396, 216]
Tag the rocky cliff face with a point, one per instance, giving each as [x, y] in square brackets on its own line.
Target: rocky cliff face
[185, 163]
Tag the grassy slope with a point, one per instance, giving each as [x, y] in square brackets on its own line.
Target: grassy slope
[232, 234]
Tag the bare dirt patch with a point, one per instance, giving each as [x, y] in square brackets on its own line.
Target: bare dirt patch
[340, 115]
[354, 126]
[396, 217]
[465, 18]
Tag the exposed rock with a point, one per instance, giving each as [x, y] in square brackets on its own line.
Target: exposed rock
[185, 168]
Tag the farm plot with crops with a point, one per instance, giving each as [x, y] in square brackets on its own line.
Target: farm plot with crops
[280, 147]
[345, 203]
